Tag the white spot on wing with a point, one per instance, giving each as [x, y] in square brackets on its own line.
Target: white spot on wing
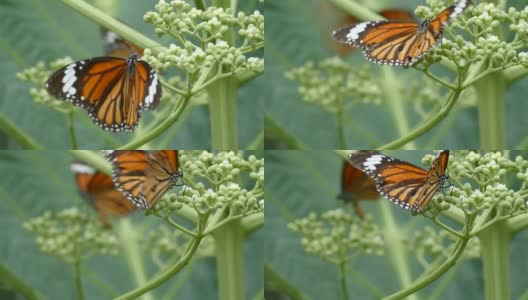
[353, 35]
[81, 168]
[151, 91]
[371, 162]
[69, 79]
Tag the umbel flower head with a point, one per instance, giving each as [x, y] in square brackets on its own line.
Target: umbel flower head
[71, 234]
[218, 180]
[483, 182]
[202, 38]
[337, 236]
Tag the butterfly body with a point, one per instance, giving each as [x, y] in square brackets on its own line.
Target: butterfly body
[398, 43]
[113, 90]
[405, 184]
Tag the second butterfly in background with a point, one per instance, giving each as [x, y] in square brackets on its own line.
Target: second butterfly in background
[99, 190]
[403, 183]
[145, 176]
[357, 186]
[114, 89]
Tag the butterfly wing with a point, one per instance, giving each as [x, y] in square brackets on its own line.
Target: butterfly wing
[395, 42]
[113, 90]
[356, 186]
[397, 180]
[98, 189]
[129, 172]
[436, 176]
[161, 175]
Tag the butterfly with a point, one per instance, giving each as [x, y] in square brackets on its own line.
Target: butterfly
[407, 185]
[389, 14]
[116, 46]
[398, 43]
[356, 186]
[145, 176]
[114, 90]
[99, 190]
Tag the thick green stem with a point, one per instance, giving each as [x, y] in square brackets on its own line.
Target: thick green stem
[390, 87]
[132, 253]
[395, 247]
[491, 95]
[230, 261]
[495, 248]
[223, 113]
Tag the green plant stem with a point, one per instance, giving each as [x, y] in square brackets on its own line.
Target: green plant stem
[252, 222]
[341, 144]
[71, 130]
[223, 113]
[22, 138]
[166, 274]
[199, 4]
[518, 223]
[432, 276]
[495, 250]
[257, 143]
[10, 280]
[162, 127]
[107, 21]
[491, 95]
[390, 85]
[229, 241]
[425, 126]
[77, 275]
[395, 247]
[132, 253]
[357, 10]
[343, 279]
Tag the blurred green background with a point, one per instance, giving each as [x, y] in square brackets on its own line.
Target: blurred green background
[298, 31]
[37, 181]
[300, 182]
[45, 30]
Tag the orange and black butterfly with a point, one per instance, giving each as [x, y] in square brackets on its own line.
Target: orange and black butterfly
[357, 186]
[389, 14]
[145, 176]
[113, 89]
[398, 43]
[407, 185]
[99, 190]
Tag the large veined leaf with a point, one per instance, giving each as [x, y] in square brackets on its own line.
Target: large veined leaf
[33, 31]
[301, 182]
[40, 181]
